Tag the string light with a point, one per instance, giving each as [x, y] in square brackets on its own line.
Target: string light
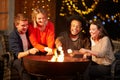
[71, 6]
[29, 7]
[116, 1]
[109, 17]
[25, 7]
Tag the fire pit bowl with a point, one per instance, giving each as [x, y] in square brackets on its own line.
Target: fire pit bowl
[41, 65]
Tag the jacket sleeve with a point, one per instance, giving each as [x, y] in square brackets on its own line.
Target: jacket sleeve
[15, 44]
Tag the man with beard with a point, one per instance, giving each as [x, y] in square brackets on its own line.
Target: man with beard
[74, 39]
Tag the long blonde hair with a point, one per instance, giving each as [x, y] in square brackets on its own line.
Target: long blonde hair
[37, 11]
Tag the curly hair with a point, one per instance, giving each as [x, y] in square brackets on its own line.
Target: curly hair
[78, 18]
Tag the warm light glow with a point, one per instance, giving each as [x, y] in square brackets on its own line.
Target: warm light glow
[53, 59]
[59, 48]
[37, 3]
[70, 52]
[71, 5]
[58, 57]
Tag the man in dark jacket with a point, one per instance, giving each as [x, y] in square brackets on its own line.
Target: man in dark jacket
[19, 44]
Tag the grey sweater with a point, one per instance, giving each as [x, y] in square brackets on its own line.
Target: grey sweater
[105, 54]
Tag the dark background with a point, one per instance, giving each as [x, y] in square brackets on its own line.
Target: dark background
[104, 7]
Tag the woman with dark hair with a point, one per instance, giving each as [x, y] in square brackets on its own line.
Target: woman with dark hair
[101, 50]
[74, 38]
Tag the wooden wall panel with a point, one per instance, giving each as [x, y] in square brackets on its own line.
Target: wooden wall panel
[3, 15]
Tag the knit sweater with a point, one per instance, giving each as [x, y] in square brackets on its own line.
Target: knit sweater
[105, 55]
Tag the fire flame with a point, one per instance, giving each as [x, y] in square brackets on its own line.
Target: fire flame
[58, 57]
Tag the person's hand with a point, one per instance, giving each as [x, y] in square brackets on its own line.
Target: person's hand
[87, 56]
[83, 51]
[33, 51]
[49, 53]
[58, 43]
[86, 53]
[48, 50]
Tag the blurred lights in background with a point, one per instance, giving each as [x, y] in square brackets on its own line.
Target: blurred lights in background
[38, 3]
[82, 7]
[71, 6]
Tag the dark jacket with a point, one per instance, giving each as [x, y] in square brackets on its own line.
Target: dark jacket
[15, 43]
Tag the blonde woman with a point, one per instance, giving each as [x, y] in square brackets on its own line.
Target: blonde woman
[41, 32]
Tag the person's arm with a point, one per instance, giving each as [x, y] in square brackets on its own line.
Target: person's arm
[104, 48]
[33, 39]
[16, 46]
[25, 53]
[50, 35]
[22, 54]
[49, 39]
[15, 43]
[87, 52]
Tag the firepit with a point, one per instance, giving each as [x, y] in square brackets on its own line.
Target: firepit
[42, 65]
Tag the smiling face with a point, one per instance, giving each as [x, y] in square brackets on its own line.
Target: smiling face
[94, 31]
[76, 27]
[22, 27]
[41, 19]
[21, 23]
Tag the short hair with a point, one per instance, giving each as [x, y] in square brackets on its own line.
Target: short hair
[76, 17]
[19, 17]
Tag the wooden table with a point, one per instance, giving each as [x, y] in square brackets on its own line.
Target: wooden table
[41, 65]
